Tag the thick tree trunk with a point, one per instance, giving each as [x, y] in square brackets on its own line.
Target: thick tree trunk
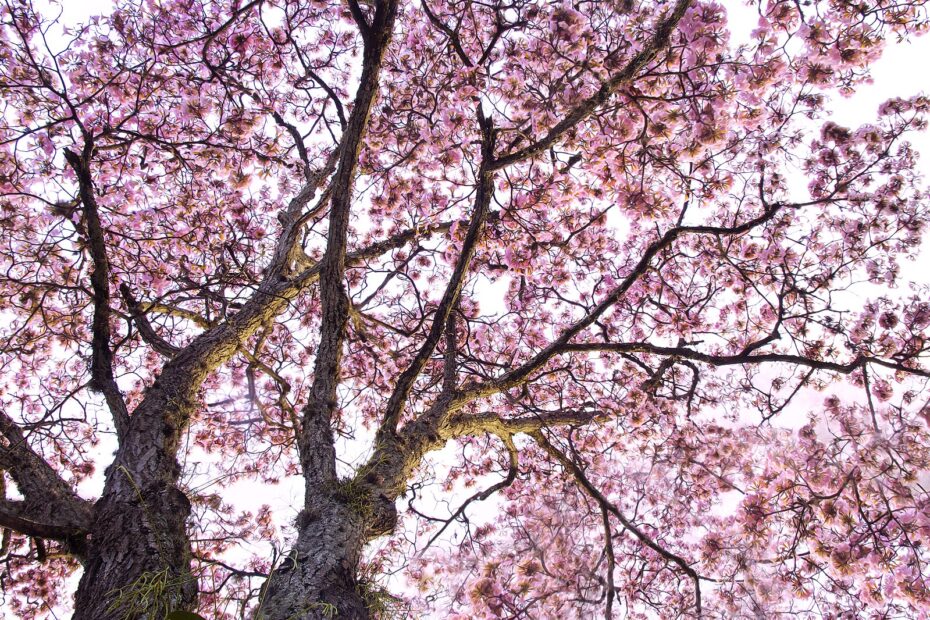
[138, 563]
[319, 579]
[139, 542]
[138, 557]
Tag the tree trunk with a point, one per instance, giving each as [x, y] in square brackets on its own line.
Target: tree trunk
[138, 564]
[138, 558]
[319, 579]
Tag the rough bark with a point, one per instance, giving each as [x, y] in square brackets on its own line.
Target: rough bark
[319, 578]
[102, 378]
[317, 453]
[139, 525]
[322, 569]
[138, 532]
[139, 529]
[50, 508]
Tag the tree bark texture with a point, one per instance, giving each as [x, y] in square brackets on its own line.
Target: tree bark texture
[319, 580]
[138, 537]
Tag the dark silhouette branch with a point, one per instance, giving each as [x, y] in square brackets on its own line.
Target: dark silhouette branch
[857, 363]
[317, 453]
[146, 331]
[102, 378]
[17, 516]
[520, 374]
[476, 226]
[480, 496]
[50, 508]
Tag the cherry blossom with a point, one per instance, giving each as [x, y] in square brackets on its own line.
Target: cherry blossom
[551, 310]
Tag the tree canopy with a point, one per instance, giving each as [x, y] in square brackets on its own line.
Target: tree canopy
[556, 309]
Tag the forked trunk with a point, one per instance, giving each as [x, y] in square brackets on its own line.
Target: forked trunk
[319, 579]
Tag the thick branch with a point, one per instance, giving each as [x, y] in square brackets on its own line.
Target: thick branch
[480, 423]
[493, 423]
[51, 508]
[286, 290]
[859, 362]
[520, 374]
[20, 517]
[393, 460]
[450, 297]
[102, 378]
[146, 331]
[316, 443]
[171, 398]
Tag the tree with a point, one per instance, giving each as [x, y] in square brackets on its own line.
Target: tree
[241, 238]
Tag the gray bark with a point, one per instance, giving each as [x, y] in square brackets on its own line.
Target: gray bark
[319, 580]
[139, 530]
